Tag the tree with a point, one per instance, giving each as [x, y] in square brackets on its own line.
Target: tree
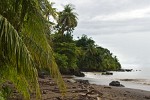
[85, 42]
[23, 44]
[65, 53]
[67, 20]
[94, 58]
[87, 61]
[63, 44]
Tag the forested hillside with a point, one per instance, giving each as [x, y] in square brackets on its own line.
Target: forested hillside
[78, 55]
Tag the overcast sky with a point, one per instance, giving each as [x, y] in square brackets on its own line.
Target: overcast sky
[122, 26]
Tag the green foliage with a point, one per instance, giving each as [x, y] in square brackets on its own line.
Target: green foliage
[16, 58]
[62, 62]
[1, 96]
[65, 52]
[67, 20]
[84, 42]
[82, 54]
[6, 92]
[63, 44]
[23, 44]
[94, 58]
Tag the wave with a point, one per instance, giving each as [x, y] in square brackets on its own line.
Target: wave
[138, 81]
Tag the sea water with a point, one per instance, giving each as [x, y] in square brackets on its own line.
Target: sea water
[138, 79]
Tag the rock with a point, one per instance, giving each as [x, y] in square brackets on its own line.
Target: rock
[147, 97]
[79, 90]
[83, 87]
[41, 74]
[122, 85]
[116, 83]
[44, 92]
[79, 74]
[58, 98]
[71, 80]
[90, 87]
[56, 91]
[74, 87]
[94, 93]
[52, 83]
[82, 81]
[129, 70]
[126, 70]
[107, 73]
[99, 98]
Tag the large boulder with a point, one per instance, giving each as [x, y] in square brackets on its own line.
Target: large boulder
[75, 72]
[79, 74]
[116, 83]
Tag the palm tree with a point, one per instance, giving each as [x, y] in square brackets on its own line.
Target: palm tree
[67, 20]
[23, 44]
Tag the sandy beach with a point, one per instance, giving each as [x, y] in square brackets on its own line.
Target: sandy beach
[82, 90]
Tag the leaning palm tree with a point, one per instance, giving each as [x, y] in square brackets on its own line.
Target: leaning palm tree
[67, 20]
[23, 44]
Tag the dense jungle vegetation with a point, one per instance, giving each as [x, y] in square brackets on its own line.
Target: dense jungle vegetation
[30, 41]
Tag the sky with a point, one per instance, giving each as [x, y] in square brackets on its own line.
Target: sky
[122, 26]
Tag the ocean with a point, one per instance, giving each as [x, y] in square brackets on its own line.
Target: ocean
[138, 79]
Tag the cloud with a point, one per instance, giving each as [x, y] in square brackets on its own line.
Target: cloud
[122, 26]
[130, 48]
[113, 27]
[123, 16]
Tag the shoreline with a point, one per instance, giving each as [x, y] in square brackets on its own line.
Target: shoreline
[133, 80]
[82, 90]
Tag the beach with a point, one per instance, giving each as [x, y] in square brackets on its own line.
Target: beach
[134, 79]
[81, 90]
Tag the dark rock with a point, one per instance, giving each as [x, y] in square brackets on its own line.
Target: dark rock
[122, 85]
[126, 70]
[55, 90]
[107, 73]
[79, 74]
[129, 70]
[82, 81]
[147, 97]
[116, 83]
[74, 87]
[41, 74]
[79, 90]
[44, 92]
[58, 98]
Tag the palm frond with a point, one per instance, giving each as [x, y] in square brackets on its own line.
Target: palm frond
[34, 36]
[23, 42]
[18, 63]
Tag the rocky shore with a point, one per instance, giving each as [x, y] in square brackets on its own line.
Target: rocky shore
[82, 90]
